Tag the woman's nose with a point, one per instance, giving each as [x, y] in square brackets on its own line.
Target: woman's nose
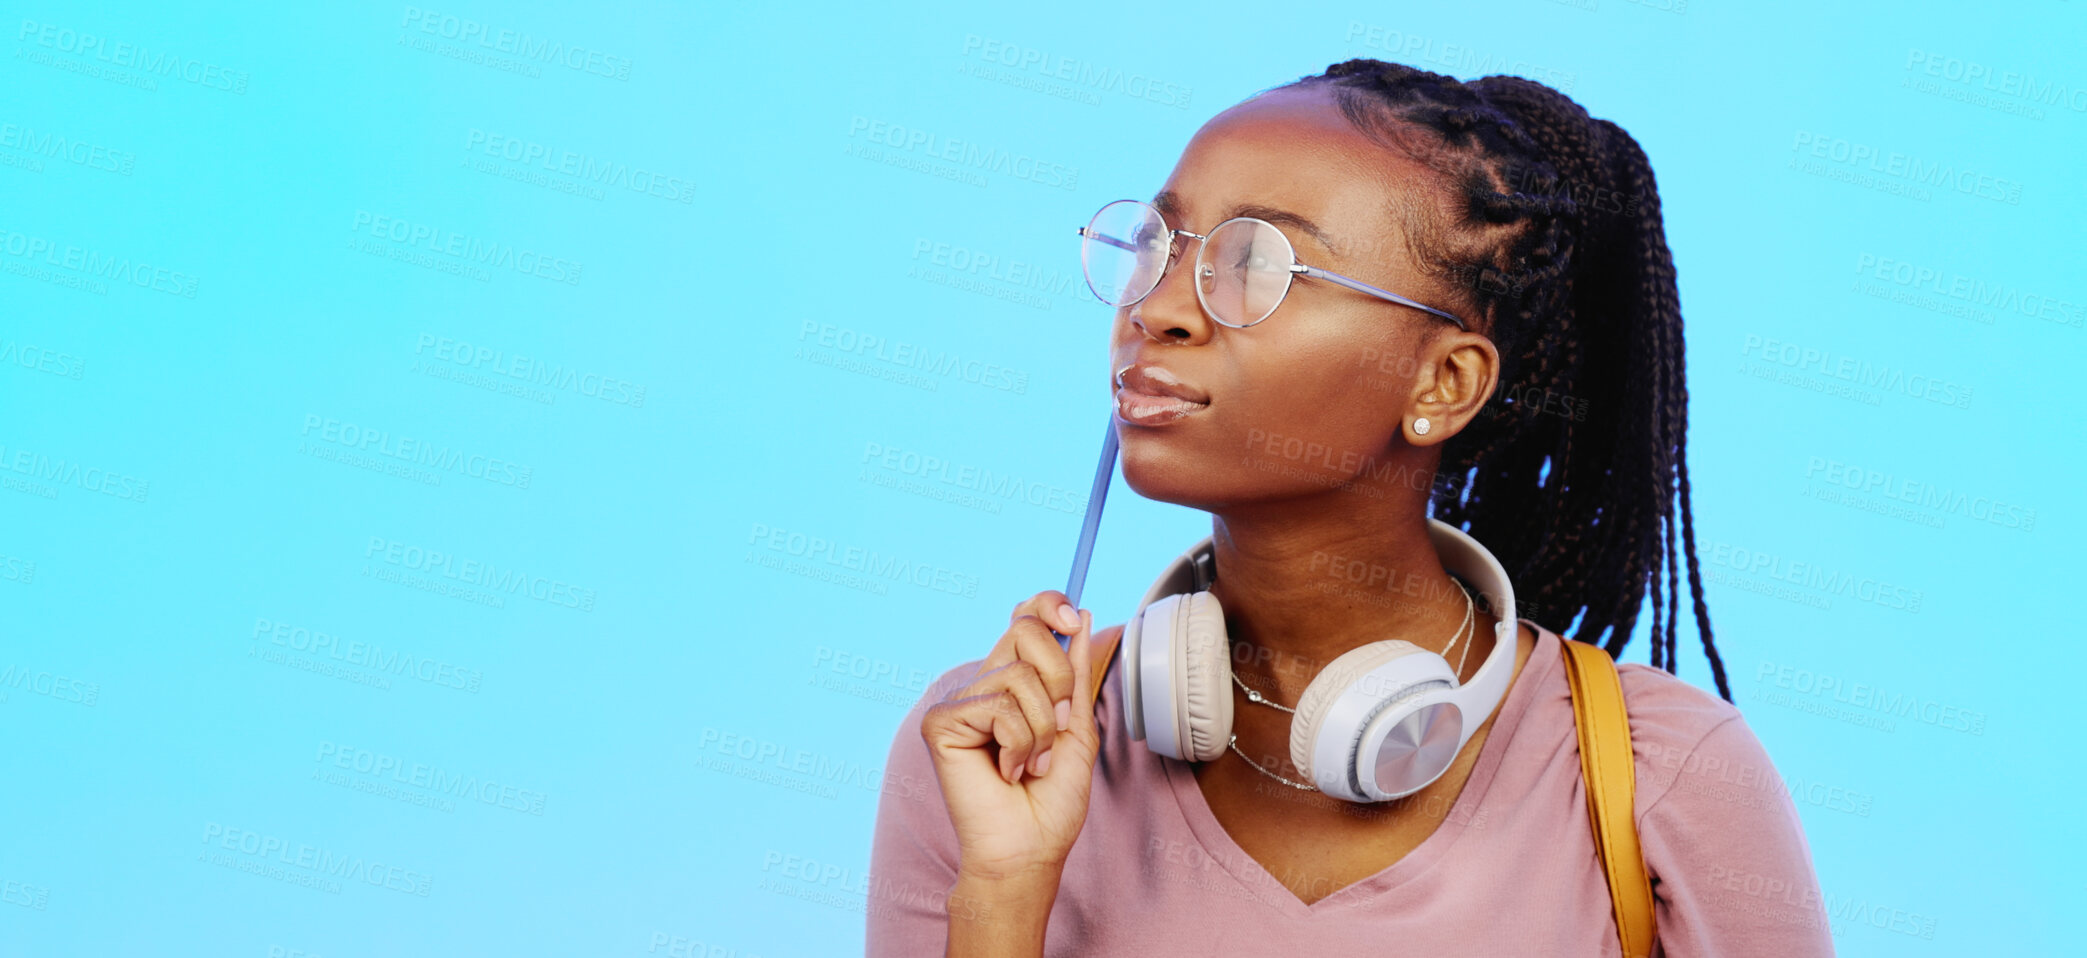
[1171, 313]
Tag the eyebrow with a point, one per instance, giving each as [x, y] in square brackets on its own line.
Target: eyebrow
[1169, 203]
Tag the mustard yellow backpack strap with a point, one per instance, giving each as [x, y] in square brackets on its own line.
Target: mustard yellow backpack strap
[1607, 765]
[1104, 649]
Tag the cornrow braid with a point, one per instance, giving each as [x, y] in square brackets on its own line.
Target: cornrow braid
[1548, 230]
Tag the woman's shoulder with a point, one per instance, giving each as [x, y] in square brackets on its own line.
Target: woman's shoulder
[1713, 813]
[1688, 740]
[1668, 709]
[1662, 707]
[1674, 725]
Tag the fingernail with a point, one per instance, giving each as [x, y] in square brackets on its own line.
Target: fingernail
[1064, 714]
[1041, 763]
[1067, 617]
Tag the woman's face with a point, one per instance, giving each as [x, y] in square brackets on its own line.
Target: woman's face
[1320, 391]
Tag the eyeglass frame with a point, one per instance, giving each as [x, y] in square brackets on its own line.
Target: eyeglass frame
[1296, 268]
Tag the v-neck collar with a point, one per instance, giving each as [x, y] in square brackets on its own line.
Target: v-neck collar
[1218, 843]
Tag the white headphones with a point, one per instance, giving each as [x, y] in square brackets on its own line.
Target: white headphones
[1390, 700]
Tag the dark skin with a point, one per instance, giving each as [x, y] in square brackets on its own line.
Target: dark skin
[1316, 371]
[1309, 461]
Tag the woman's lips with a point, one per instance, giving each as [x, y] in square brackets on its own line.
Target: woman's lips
[1146, 409]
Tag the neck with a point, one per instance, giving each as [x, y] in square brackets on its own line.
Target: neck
[1303, 581]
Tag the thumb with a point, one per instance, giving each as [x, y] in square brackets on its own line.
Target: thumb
[1080, 729]
[1080, 648]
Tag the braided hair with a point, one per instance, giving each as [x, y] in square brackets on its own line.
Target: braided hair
[1547, 229]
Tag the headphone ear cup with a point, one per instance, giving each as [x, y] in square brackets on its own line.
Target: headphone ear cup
[1129, 650]
[1319, 697]
[1162, 627]
[1204, 657]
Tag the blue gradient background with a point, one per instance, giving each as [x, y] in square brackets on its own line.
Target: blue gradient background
[145, 710]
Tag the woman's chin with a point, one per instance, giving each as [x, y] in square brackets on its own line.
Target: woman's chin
[1173, 478]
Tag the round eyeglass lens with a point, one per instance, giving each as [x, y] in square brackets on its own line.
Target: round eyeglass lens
[1243, 271]
[1124, 251]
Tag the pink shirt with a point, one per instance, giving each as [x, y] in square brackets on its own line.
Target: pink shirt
[1511, 870]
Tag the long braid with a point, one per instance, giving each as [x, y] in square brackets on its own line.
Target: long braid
[1555, 243]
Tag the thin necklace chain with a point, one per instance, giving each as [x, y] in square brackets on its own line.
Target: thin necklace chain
[1469, 610]
[1258, 698]
[1257, 767]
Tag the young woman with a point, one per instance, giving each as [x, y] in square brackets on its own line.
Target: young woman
[1489, 326]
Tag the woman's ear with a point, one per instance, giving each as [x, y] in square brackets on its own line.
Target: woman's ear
[1455, 381]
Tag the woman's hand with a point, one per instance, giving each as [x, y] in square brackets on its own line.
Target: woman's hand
[1015, 749]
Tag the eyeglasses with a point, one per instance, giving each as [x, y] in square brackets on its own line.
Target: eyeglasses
[1243, 268]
